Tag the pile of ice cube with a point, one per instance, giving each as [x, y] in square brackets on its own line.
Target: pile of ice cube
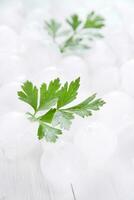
[96, 157]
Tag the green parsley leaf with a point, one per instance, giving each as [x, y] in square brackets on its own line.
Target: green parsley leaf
[52, 27]
[29, 94]
[77, 36]
[50, 99]
[74, 21]
[94, 21]
[87, 106]
[48, 117]
[68, 93]
[48, 94]
[63, 118]
[70, 44]
[49, 133]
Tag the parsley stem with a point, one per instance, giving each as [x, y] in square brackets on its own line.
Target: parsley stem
[68, 41]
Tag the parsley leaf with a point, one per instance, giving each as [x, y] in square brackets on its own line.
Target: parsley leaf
[50, 99]
[53, 28]
[51, 134]
[29, 94]
[68, 93]
[48, 94]
[94, 21]
[78, 34]
[74, 21]
[48, 117]
[87, 106]
[71, 43]
[63, 118]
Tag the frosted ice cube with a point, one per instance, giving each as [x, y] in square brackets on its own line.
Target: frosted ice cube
[126, 142]
[118, 110]
[127, 71]
[104, 80]
[72, 67]
[10, 69]
[36, 17]
[101, 56]
[9, 99]
[126, 14]
[63, 164]
[71, 7]
[46, 75]
[34, 4]
[122, 175]
[8, 40]
[18, 135]
[36, 56]
[121, 44]
[97, 143]
[12, 14]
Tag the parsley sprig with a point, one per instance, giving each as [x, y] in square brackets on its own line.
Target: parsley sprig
[78, 34]
[52, 99]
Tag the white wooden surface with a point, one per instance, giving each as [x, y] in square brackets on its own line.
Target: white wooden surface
[22, 179]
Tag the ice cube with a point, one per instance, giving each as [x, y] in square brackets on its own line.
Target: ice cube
[8, 40]
[9, 99]
[101, 56]
[68, 8]
[97, 143]
[126, 142]
[63, 164]
[127, 71]
[18, 135]
[122, 177]
[12, 14]
[126, 14]
[36, 56]
[46, 75]
[121, 44]
[104, 80]
[72, 67]
[10, 69]
[118, 110]
[68, 69]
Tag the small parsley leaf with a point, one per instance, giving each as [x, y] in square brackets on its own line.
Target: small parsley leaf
[49, 133]
[94, 21]
[85, 108]
[74, 21]
[48, 117]
[53, 28]
[48, 94]
[68, 93]
[29, 94]
[63, 118]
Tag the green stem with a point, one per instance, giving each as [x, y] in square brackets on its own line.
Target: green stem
[66, 42]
